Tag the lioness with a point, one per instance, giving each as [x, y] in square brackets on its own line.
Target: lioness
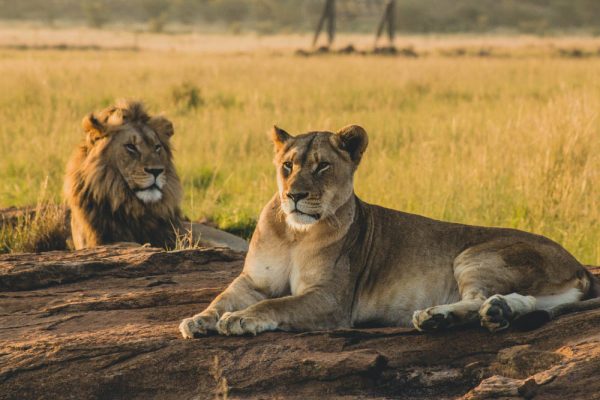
[122, 186]
[321, 258]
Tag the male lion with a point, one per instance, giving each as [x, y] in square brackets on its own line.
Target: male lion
[321, 258]
[121, 184]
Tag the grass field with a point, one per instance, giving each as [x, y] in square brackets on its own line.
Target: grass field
[494, 141]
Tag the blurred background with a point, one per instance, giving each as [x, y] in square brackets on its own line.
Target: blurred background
[478, 111]
[288, 16]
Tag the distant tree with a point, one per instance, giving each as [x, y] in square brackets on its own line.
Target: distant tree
[11, 9]
[158, 13]
[49, 12]
[95, 13]
[185, 10]
[232, 11]
[271, 16]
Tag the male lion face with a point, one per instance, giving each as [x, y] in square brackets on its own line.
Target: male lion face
[136, 145]
[315, 172]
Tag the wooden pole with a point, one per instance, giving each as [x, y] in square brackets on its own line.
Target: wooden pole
[387, 19]
[391, 21]
[331, 22]
[329, 16]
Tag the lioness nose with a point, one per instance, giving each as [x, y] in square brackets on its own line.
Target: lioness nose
[296, 197]
[154, 171]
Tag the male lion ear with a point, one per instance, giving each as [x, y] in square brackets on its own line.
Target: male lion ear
[161, 125]
[354, 140]
[93, 128]
[279, 137]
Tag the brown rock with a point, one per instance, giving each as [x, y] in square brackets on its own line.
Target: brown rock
[102, 324]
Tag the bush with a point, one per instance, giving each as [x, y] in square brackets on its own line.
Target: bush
[95, 14]
[187, 96]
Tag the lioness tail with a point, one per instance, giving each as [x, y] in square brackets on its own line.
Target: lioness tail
[537, 318]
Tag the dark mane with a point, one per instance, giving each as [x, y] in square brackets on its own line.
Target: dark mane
[104, 208]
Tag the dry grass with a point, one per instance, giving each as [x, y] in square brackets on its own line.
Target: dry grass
[492, 141]
[221, 391]
[42, 228]
[185, 241]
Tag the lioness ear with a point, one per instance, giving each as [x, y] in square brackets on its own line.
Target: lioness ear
[354, 140]
[162, 126]
[93, 128]
[279, 137]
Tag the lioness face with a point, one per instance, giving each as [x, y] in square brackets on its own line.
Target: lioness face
[140, 151]
[315, 172]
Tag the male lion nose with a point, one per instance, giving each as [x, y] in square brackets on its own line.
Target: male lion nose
[296, 197]
[154, 171]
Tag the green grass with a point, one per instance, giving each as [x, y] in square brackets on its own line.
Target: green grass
[491, 141]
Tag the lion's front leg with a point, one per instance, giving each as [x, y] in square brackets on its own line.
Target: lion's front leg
[243, 322]
[240, 294]
[199, 324]
[305, 312]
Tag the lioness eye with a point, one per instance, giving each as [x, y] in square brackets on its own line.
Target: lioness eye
[322, 166]
[287, 166]
[131, 148]
[157, 148]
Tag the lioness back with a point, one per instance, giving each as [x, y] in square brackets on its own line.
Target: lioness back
[412, 260]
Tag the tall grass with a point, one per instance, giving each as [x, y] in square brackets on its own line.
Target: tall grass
[41, 228]
[491, 141]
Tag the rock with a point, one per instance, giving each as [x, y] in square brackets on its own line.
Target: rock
[60, 236]
[210, 236]
[102, 323]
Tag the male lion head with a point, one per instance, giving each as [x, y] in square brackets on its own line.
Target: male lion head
[315, 172]
[121, 183]
[134, 146]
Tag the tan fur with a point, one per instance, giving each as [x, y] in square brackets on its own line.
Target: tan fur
[320, 258]
[104, 185]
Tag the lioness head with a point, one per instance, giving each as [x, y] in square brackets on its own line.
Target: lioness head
[315, 172]
[133, 144]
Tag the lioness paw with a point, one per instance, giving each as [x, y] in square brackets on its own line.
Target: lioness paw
[197, 326]
[495, 313]
[239, 323]
[433, 318]
[189, 329]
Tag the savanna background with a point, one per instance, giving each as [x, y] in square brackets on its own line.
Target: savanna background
[487, 114]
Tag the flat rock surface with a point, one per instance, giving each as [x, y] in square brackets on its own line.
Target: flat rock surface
[102, 324]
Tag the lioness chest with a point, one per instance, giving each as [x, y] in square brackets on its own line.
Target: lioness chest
[282, 270]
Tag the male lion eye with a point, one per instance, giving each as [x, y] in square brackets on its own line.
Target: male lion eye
[287, 166]
[131, 148]
[322, 166]
[157, 148]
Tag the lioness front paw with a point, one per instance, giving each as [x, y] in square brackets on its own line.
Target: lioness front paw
[433, 318]
[495, 313]
[198, 325]
[240, 323]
